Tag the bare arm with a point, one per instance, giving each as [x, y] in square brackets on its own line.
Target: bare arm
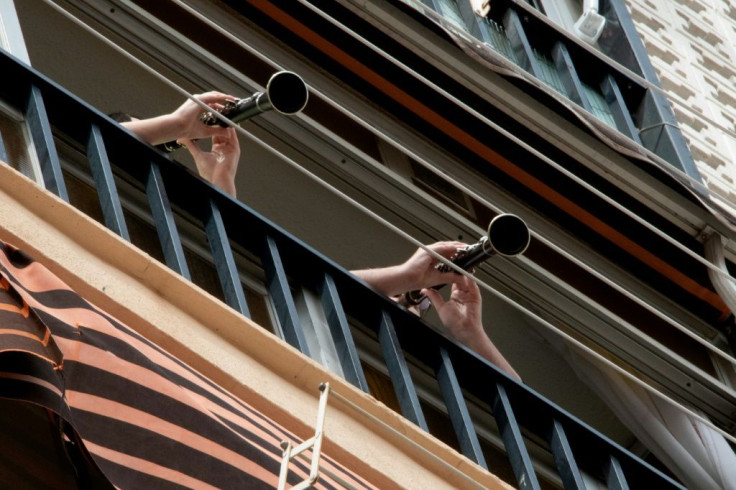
[416, 273]
[220, 164]
[462, 315]
[183, 123]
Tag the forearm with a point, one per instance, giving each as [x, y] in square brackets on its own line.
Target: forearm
[156, 130]
[390, 281]
[483, 345]
[226, 183]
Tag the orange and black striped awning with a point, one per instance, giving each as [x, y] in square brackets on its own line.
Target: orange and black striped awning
[115, 409]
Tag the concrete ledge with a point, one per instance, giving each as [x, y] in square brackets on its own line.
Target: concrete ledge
[234, 352]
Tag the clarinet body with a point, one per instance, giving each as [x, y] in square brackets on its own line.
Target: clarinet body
[285, 93]
[507, 235]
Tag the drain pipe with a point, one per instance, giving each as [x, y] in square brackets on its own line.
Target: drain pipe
[726, 288]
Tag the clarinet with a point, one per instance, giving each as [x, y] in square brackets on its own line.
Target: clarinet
[285, 92]
[507, 235]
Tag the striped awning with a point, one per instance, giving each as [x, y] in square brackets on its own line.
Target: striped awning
[88, 402]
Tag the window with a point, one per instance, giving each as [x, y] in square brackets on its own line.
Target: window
[15, 148]
[317, 331]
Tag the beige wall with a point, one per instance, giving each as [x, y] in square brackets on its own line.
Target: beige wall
[692, 44]
[361, 433]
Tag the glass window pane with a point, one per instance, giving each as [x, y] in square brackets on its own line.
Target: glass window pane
[14, 146]
[549, 73]
[598, 104]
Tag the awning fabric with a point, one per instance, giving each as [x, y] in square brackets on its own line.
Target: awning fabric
[125, 412]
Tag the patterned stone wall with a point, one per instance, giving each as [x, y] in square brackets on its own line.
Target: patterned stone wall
[692, 44]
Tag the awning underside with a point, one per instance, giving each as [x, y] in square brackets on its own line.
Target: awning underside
[92, 401]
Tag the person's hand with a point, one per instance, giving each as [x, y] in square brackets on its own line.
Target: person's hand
[183, 123]
[420, 270]
[415, 273]
[461, 313]
[220, 164]
[187, 116]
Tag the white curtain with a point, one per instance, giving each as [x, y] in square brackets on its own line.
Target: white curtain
[699, 456]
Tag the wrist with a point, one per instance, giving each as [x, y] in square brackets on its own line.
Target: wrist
[175, 125]
[408, 276]
[468, 335]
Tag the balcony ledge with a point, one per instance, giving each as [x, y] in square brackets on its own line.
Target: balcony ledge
[363, 434]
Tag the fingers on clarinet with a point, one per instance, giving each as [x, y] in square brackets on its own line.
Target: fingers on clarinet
[214, 97]
[433, 295]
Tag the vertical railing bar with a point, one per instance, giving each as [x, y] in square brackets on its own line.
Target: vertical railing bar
[222, 255]
[621, 115]
[616, 479]
[510, 431]
[280, 292]
[112, 210]
[520, 43]
[398, 371]
[458, 410]
[40, 129]
[163, 218]
[569, 76]
[564, 458]
[43, 140]
[343, 338]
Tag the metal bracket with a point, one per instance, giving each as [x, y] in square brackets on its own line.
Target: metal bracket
[705, 234]
[315, 443]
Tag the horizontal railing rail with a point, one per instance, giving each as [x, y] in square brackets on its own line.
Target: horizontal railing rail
[289, 263]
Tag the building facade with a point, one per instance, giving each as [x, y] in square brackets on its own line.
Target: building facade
[607, 127]
[691, 45]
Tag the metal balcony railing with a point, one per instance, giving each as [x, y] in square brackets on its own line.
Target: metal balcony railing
[606, 90]
[289, 264]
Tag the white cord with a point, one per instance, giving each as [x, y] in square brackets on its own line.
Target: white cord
[430, 167]
[529, 148]
[397, 230]
[484, 285]
[679, 326]
[673, 322]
